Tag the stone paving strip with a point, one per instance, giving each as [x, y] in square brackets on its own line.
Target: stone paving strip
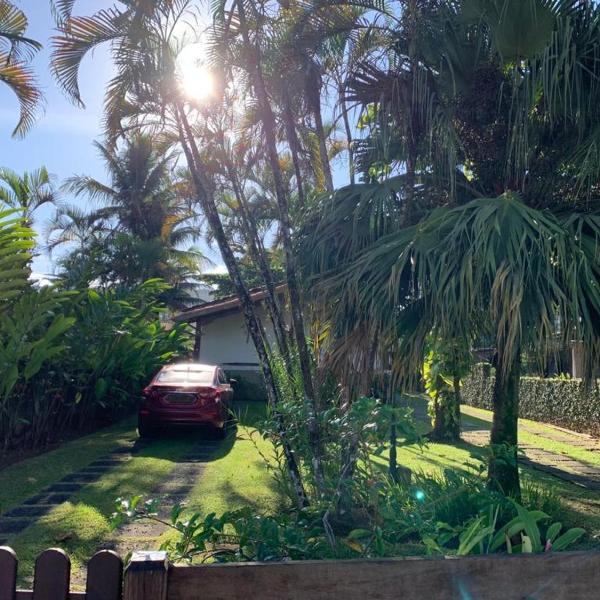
[16, 519]
[551, 432]
[174, 490]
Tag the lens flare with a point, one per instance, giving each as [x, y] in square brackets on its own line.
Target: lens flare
[195, 78]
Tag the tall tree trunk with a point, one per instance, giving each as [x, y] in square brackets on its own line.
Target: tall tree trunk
[294, 144]
[257, 253]
[320, 131]
[269, 128]
[253, 325]
[503, 472]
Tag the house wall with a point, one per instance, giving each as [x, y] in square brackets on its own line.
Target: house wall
[226, 342]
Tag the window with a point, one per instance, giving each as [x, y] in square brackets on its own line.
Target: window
[186, 376]
[222, 377]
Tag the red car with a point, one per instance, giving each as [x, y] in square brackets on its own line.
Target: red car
[186, 394]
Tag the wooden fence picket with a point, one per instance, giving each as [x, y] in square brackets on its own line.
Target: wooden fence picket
[104, 576]
[8, 573]
[52, 575]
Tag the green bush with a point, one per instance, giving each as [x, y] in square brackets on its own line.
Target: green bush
[75, 360]
[562, 402]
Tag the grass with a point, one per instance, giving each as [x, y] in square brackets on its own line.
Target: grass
[239, 477]
[539, 435]
[81, 525]
[236, 476]
[21, 480]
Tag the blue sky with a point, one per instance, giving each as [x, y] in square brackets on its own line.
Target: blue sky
[62, 138]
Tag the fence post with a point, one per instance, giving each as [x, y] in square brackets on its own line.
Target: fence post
[52, 575]
[8, 573]
[146, 576]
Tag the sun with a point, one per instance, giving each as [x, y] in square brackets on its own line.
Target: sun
[195, 78]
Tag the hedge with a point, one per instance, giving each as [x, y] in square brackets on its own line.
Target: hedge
[561, 402]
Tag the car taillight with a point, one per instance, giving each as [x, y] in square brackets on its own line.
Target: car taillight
[149, 394]
[208, 396]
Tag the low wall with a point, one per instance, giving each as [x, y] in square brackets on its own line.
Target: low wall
[562, 402]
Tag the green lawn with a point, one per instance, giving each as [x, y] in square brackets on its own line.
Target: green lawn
[236, 476]
[26, 478]
[239, 477]
[540, 438]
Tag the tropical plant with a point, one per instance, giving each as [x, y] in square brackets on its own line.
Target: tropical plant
[32, 334]
[141, 221]
[54, 380]
[16, 242]
[16, 52]
[27, 192]
[405, 520]
[445, 365]
[466, 112]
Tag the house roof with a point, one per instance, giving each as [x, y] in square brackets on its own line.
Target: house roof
[223, 305]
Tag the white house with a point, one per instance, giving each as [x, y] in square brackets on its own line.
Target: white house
[222, 339]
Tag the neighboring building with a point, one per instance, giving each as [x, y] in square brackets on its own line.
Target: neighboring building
[222, 339]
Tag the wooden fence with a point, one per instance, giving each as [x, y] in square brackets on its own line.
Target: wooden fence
[149, 576]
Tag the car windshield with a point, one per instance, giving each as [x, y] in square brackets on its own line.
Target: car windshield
[186, 376]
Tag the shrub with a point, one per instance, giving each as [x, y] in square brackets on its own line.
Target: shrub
[448, 515]
[562, 402]
[77, 360]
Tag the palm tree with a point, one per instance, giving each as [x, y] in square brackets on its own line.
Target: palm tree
[27, 192]
[16, 52]
[146, 87]
[70, 225]
[478, 115]
[143, 218]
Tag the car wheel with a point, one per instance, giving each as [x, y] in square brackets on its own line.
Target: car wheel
[145, 431]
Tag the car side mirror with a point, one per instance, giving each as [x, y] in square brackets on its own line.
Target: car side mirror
[233, 381]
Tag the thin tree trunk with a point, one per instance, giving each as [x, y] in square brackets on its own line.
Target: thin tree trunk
[503, 472]
[320, 130]
[294, 144]
[349, 140]
[252, 322]
[269, 127]
[456, 420]
[257, 253]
